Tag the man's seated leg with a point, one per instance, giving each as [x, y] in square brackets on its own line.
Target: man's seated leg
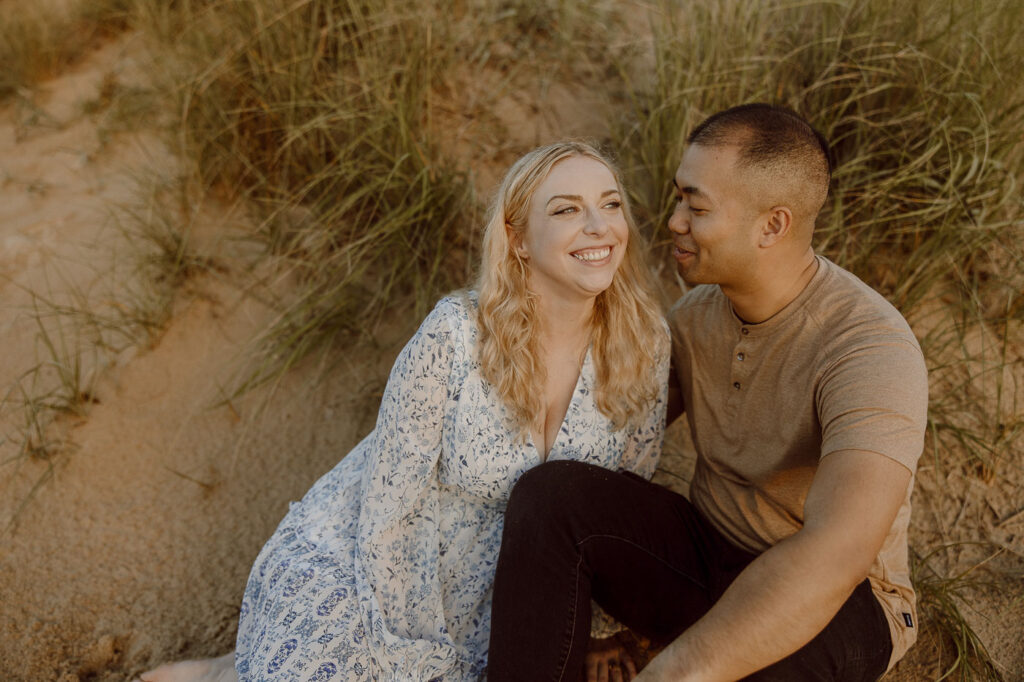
[573, 531]
[854, 647]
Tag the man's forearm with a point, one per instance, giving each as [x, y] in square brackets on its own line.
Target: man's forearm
[778, 604]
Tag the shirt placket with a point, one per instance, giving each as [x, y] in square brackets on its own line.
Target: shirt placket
[740, 366]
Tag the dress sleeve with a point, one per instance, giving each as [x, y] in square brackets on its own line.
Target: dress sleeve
[643, 448]
[397, 549]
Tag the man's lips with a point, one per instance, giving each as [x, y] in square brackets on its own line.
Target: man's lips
[681, 253]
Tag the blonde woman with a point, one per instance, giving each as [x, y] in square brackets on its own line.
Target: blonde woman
[384, 570]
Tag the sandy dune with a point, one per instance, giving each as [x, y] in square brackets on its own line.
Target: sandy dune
[155, 499]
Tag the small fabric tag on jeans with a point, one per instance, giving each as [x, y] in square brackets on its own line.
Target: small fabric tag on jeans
[908, 620]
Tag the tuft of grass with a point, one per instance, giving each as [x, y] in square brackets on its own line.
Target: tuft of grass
[942, 600]
[59, 386]
[921, 107]
[80, 333]
[158, 227]
[38, 40]
[319, 114]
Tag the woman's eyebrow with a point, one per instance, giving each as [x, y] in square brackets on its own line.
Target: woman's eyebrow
[577, 197]
[569, 197]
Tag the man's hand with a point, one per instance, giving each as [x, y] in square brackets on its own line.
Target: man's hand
[608, 661]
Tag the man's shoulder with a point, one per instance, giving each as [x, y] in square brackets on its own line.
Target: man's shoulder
[845, 303]
[702, 296]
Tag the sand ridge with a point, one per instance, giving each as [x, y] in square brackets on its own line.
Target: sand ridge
[135, 549]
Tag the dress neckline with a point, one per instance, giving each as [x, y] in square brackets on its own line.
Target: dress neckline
[577, 390]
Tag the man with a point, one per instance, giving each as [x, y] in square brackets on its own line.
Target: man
[806, 395]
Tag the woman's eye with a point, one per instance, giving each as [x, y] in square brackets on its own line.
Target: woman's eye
[564, 210]
[613, 204]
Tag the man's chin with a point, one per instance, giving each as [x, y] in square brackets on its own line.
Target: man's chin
[688, 276]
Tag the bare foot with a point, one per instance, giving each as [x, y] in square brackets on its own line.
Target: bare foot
[207, 670]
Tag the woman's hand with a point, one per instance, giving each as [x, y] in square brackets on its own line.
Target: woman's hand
[608, 661]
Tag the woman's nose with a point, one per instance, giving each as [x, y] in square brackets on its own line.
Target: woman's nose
[596, 224]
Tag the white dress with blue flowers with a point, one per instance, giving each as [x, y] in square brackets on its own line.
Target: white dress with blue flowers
[384, 570]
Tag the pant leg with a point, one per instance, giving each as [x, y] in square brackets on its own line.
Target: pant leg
[573, 531]
[854, 647]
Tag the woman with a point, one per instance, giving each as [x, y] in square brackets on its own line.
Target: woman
[384, 570]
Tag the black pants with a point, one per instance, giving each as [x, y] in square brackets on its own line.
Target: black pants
[575, 531]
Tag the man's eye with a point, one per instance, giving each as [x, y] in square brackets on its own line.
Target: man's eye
[698, 211]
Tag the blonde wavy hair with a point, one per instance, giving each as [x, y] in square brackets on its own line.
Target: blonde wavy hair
[626, 325]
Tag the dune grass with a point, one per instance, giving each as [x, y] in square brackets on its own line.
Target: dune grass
[318, 113]
[82, 330]
[40, 39]
[942, 601]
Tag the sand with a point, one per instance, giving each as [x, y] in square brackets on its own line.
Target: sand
[133, 533]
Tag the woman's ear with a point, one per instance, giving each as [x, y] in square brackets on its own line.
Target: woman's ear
[515, 239]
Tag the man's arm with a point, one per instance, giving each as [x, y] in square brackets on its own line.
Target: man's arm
[790, 593]
[674, 404]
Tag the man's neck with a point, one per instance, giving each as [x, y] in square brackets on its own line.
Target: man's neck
[771, 291]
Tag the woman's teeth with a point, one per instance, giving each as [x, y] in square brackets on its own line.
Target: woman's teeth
[592, 254]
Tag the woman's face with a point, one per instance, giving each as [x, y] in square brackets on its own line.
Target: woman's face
[576, 233]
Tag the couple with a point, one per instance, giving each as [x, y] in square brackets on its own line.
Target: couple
[528, 414]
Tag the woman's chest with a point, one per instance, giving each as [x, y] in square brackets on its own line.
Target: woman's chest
[483, 456]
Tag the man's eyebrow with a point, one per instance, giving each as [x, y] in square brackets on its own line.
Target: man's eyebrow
[690, 190]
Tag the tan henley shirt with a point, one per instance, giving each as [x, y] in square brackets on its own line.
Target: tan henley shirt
[837, 369]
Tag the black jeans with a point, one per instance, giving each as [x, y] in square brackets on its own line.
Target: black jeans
[575, 531]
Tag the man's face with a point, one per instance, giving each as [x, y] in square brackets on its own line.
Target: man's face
[714, 225]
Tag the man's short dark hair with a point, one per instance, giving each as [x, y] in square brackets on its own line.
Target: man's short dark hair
[774, 139]
[763, 132]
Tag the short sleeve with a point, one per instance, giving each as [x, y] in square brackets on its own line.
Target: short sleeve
[875, 398]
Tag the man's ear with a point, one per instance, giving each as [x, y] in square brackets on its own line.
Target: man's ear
[778, 224]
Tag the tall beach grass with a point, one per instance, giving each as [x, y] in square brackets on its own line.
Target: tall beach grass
[40, 39]
[318, 113]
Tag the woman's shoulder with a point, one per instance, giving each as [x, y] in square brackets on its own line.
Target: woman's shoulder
[457, 307]
[453, 318]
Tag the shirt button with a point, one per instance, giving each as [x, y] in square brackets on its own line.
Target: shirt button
[744, 331]
[740, 357]
[736, 385]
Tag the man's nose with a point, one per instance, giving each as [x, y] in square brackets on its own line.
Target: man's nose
[677, 222]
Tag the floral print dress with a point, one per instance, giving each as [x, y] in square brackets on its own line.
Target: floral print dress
[384, 570]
